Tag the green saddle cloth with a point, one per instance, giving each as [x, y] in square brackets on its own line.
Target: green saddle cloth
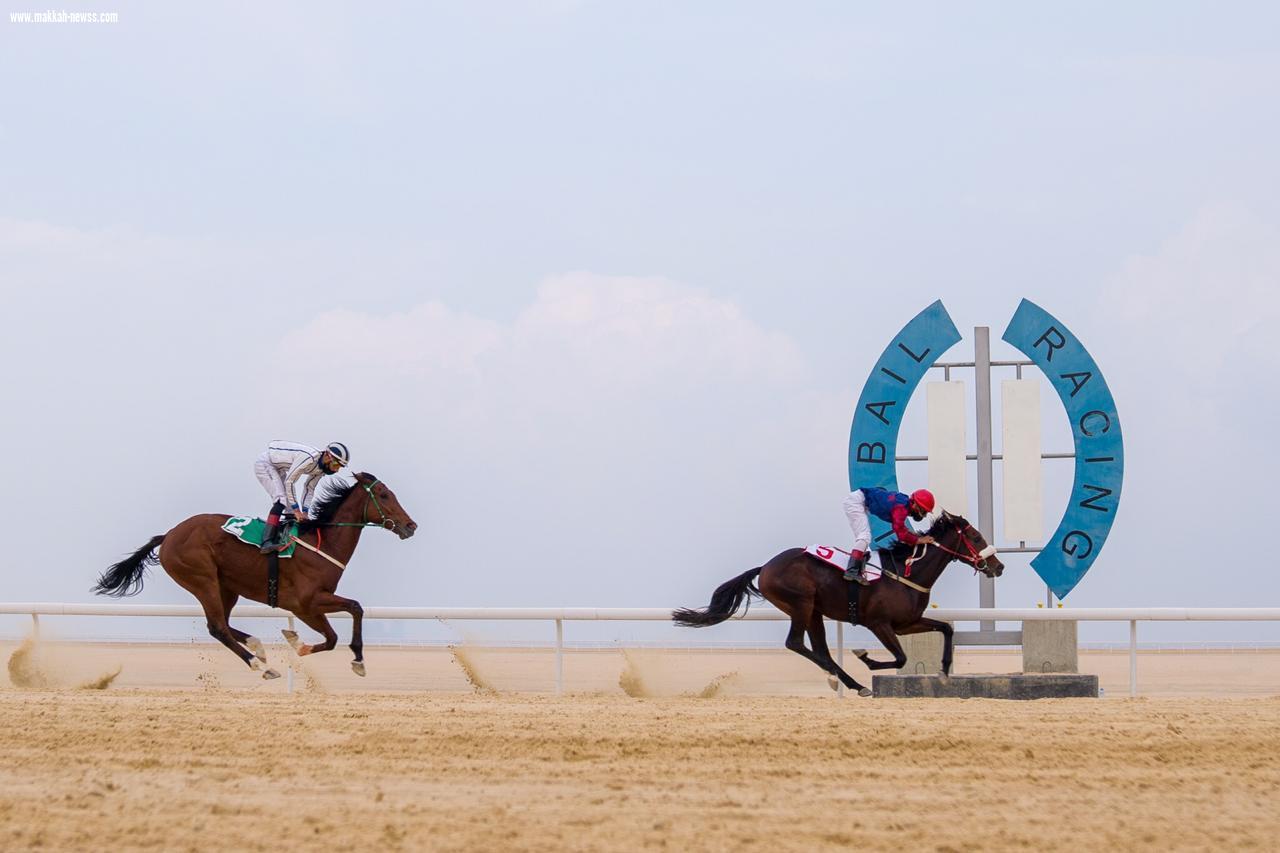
[250, 530]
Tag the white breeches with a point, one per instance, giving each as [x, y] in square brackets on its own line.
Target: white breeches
[855, 507]
[270, 479]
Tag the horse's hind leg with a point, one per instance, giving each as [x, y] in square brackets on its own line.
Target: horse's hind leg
[252, 643]
[209, 596]
[795, 642]
[822, 654]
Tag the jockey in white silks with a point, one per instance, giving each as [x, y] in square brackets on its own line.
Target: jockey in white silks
[283, 469]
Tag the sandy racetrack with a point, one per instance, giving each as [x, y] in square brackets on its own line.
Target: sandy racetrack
[239, 770]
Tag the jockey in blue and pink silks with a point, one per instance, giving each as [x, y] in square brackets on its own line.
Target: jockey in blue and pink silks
[893, 507]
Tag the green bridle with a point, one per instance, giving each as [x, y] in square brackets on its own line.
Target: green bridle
[387, 521]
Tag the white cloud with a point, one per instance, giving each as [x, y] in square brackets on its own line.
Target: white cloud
[1210, 296]
[638, 417]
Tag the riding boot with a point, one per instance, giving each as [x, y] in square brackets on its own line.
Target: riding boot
[270, 539]
[857, 560]
[271, 536]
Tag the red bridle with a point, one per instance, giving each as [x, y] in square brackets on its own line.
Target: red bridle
[975, 558]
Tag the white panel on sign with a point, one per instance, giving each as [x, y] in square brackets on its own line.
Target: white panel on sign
[1023, 480]
[947, 446]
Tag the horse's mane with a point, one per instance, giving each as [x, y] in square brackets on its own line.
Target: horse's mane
[942, 524]
[327, 507]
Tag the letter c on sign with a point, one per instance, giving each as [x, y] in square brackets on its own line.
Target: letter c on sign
[1084, 422]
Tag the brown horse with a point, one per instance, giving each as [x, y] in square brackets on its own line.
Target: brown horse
[807, 589]
[218, 569]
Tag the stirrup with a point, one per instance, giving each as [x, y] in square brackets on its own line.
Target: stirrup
[856, 576]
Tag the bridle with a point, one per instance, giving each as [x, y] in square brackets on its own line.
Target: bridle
[975, 558]
[386, 522]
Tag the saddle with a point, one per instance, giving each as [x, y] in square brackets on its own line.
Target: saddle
[250, 531]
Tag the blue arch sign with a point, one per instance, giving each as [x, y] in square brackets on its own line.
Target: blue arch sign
[1099, 444]
[1095, 426]
[873, 439]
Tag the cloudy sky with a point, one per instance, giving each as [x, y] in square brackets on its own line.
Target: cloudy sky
[594, 286]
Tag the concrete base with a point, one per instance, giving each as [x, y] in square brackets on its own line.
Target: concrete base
[1004, 686]
[1049, 647]
[924, 653]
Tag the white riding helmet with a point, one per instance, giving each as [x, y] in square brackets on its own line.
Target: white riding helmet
[339, 451]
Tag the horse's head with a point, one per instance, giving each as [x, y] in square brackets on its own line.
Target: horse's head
[382, 507]
[962, 539]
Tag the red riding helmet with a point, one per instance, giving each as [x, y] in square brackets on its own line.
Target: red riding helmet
[923, 498]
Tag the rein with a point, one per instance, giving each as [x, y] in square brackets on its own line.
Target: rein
[975, 558]
[916, 554]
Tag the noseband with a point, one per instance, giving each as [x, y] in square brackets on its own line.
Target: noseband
[387, 521]
[975, 558]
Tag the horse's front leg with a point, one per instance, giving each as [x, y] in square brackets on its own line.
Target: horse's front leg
[316, 622]
[923, 626]
[328, 602]
[884, 633]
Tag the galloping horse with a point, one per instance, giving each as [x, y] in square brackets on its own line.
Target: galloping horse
[218, 569]
[806, 589]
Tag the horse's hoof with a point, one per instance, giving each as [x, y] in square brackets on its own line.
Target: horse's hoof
[270, 674]
[357, 666]
[859, 653]
[254, 645]
[863, 691]
[254, 665]
[304, 650]
[833, 682]
[290, 637]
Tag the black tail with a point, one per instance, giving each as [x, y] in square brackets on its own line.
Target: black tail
[725, 602]
[125, 577]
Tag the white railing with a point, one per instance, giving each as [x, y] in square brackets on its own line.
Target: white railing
[560, 615]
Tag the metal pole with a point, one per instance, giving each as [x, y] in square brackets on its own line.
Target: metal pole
[559, 657]
[35, 625]
[840, 654]
[1133, 657]
[289, 677]
[986, 498]
[1048, 596]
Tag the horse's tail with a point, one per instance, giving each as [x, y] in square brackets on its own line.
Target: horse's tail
[125, 577]
[725, 602]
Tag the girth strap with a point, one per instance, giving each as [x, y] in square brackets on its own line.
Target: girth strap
[273, 578]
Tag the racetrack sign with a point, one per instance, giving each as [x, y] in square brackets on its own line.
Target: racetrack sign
[1073, 374]
[1099, 446]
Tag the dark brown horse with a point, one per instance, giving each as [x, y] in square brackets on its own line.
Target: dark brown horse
[218, 569]
[807, 589]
